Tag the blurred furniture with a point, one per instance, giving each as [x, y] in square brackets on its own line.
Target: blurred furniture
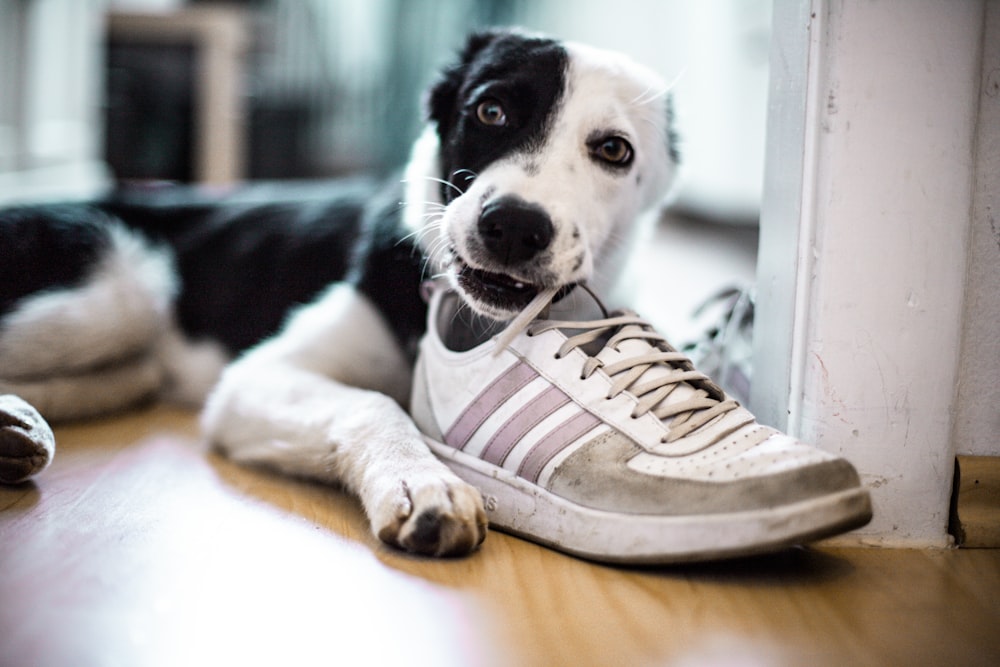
[165, 64]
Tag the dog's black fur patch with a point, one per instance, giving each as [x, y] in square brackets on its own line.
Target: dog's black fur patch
[526, 75]
[48, 247]
[243, 260]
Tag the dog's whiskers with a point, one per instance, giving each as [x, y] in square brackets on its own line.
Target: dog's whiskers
[653, 94]
[451, 185]
[469, 174]
[432, 218]
[435, 255]
[435, 205]
[418, 235]
[437, 247]
[649, 95]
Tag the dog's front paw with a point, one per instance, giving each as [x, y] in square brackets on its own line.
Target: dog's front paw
[26, 441]
[432, 513]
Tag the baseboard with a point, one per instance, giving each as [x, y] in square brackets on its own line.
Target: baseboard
[975, 507]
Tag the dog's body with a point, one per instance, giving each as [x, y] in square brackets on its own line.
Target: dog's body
[538, 159]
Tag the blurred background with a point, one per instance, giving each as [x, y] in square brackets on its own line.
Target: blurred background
[93, 92]
[318, 88]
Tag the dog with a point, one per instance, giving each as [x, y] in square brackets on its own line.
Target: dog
[293, 312]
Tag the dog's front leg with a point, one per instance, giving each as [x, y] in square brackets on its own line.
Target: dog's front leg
[281, 407]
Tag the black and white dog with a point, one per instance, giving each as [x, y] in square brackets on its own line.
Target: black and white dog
[537, 161]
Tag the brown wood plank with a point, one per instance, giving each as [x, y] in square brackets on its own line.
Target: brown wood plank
[977, 508]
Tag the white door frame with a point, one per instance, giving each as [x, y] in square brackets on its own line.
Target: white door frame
[864, 226]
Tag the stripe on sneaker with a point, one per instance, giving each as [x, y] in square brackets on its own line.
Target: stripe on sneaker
[555, 441]
[510, 393]
[486, 403]
[522, 421]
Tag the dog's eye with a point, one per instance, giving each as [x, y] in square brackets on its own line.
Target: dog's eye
[490, 112]
[613, 150]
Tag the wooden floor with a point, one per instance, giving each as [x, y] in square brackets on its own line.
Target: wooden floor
[140, 547]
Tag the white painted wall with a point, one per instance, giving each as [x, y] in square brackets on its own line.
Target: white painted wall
[51, 69]
[977, 412]
[865, 224]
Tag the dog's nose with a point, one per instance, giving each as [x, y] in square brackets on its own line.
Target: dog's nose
[514, 230]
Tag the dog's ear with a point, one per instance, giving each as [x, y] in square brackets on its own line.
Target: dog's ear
[442, 101]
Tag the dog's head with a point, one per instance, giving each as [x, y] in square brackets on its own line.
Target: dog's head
[538, 158]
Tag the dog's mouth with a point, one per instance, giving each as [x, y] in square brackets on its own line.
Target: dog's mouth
[498, 295]
[499, 291]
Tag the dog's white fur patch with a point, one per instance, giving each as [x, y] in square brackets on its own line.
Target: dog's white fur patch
[190, 368]
[332, 351]
[342, 336]
[422, 187]
[317, 401]
[116, 314]
[96, 391]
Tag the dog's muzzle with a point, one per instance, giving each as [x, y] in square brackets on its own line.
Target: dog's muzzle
[513, 239]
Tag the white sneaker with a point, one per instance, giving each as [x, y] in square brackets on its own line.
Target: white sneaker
[597, 438]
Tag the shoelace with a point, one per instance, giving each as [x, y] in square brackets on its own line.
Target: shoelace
[703, 405]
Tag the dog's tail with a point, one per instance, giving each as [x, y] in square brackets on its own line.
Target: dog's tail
[82, 303]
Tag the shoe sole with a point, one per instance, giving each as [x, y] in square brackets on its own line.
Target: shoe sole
[517, 506]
